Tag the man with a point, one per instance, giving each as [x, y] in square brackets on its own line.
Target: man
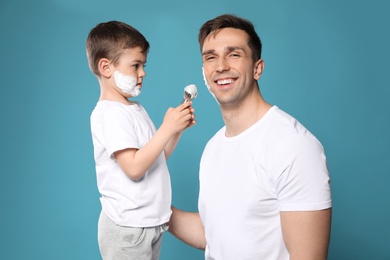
[264, 182]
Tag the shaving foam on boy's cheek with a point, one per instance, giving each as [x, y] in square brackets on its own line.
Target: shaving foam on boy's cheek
[128, 84]
[207, 85]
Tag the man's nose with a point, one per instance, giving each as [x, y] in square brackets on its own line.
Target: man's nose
[222, 65]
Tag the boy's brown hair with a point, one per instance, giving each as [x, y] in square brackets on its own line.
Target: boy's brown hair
[109, 40]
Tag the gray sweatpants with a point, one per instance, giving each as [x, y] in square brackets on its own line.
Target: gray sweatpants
[128, 243]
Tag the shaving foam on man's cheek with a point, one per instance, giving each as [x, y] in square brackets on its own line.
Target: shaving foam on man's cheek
[207, 85]
[128, 84]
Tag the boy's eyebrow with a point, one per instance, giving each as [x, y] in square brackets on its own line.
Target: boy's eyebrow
[139, 61]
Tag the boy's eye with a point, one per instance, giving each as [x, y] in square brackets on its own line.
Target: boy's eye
[137, 66]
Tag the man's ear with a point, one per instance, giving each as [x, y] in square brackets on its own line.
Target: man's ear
[105, 69]
[259, 67]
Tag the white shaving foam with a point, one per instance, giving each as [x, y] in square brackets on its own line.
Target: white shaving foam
[208, 86]
[128, 84]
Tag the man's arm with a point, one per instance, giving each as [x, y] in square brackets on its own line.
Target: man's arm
[307, 233]
[187, 227]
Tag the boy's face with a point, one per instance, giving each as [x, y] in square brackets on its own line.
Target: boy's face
[130, 68]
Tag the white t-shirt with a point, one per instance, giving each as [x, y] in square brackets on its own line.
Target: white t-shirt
[142, 203]
[245, 181]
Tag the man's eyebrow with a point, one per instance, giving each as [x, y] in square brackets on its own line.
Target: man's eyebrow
[227, 50]
[234, 48]
[208, 52]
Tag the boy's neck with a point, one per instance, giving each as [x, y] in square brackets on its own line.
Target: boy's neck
[122, 99]
[110, 94]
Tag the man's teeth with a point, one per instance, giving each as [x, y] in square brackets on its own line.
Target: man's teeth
[224, 81]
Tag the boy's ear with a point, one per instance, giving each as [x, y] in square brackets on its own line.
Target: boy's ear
[259, 67]
[104, 66]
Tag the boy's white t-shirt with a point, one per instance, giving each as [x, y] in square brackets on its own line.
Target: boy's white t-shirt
[142, 203]
[245, 181]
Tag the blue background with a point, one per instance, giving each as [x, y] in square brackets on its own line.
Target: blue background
[326, 63]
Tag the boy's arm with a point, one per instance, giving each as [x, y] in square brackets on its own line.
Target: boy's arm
[187, 227]
[135, 162]
[307, 233]
[170, 147]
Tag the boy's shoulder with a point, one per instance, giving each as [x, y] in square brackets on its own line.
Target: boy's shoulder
[113, 107]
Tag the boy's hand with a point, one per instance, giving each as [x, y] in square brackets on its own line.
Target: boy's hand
[179, 118]
[192, 121]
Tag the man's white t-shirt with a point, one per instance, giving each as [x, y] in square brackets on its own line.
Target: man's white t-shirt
[142, 203]
[245, 181]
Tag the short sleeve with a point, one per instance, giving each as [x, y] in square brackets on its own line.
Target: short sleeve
[118, 130]
[301, 174]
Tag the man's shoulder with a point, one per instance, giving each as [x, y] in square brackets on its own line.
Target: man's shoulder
[285, 124]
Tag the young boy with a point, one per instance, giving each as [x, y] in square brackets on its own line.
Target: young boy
[130, 155]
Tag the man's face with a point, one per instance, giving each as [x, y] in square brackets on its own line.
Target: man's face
[228, 66]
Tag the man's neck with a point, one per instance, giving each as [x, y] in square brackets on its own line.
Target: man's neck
[239, 119]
